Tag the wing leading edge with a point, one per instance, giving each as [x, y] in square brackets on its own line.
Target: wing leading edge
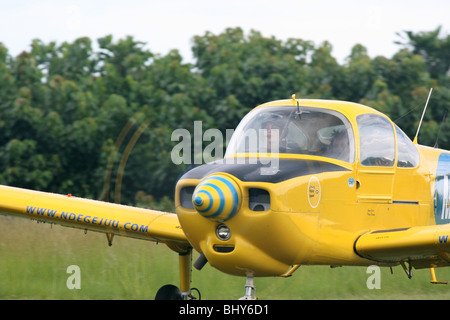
[423, 247]
[94, 215]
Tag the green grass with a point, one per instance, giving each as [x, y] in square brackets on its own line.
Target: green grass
[34, 259]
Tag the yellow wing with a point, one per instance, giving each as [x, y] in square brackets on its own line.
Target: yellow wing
[422, 247]
[109, 218]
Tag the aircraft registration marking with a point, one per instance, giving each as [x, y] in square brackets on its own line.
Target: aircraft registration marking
[443, 238]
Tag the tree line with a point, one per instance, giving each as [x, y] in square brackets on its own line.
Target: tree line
[94, 119]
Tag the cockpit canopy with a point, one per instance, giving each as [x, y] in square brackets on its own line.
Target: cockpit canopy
[323, 132]
[295, 130]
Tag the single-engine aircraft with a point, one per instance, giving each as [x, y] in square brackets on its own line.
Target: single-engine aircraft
[344, 186]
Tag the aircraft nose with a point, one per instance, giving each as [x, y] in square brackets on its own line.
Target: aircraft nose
[217, 197]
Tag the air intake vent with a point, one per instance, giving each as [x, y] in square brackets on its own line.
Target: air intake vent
[186, 197]
[259, 199]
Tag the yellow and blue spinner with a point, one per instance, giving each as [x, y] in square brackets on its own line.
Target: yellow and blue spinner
[217, 197]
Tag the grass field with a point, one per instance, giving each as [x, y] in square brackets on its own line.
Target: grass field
[34, 258]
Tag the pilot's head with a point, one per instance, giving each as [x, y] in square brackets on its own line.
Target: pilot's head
[273, 127]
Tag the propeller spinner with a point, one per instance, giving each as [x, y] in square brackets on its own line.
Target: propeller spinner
[217, 197]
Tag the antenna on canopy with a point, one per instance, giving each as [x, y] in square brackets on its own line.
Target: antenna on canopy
[423, 113]
[298, 112]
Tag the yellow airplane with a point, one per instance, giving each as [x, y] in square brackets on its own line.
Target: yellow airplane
[326, 183]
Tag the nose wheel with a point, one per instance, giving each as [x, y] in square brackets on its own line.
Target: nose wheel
[250, 290]
[169, 292]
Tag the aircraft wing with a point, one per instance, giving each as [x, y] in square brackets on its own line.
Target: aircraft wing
[423, 247]
[109, 218]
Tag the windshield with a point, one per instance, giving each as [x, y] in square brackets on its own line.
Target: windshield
[294, 130]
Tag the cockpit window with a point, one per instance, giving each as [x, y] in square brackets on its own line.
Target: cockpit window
[408, 157]
[292, 130]
[377, 141]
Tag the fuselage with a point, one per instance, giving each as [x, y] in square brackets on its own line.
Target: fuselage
[339, 170]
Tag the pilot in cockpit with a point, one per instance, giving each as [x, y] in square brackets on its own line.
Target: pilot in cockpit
[274, 128]
[277, 136]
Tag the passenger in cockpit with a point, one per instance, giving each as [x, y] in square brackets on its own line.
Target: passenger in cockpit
[339, 147]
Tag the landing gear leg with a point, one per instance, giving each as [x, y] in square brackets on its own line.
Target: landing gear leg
[185, 260]
[408, 270]
[249, 289]
[170, 292]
